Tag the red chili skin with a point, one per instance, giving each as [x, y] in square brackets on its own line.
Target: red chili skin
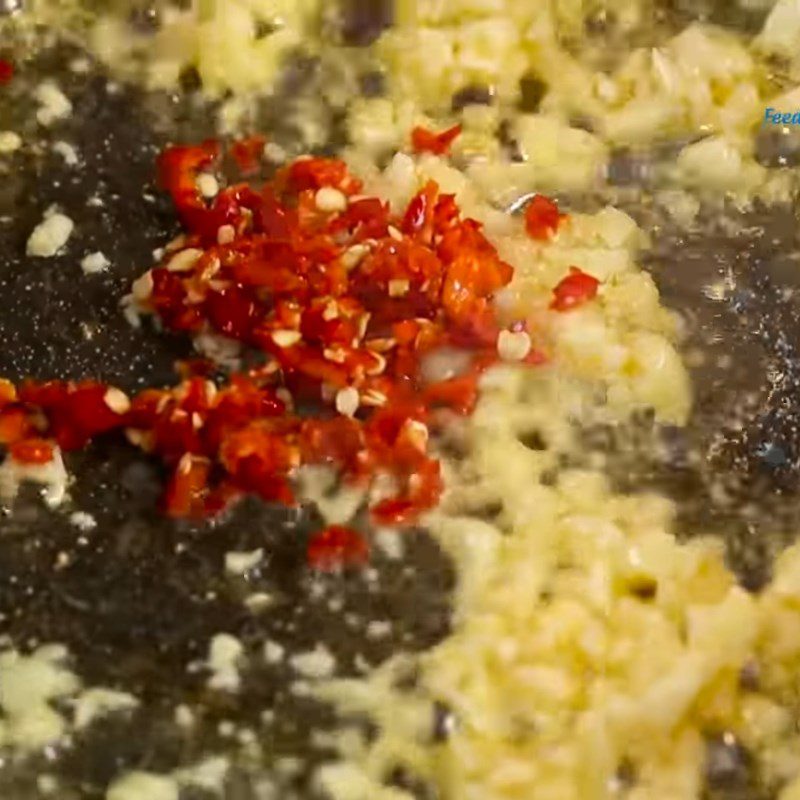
[542, 218]
[423, 493]
[15, 425]
[339, 440]
[367, 218]
[76, 413]
[8, 393]
[187, 489]
[168, 300]
[232, 311]
[336, 547]
[32, 452]
[316, 173]
[458, 394]
[276, 221]
[227, 209]
[425, 141]
[575, 290]
[6, 71]
[420, 212]
[178, 167]
[247, 153]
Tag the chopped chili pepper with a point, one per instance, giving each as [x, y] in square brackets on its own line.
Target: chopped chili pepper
[425, 141]
[575, 290]
[339, 440]
[316, 173]
[247, 153]
[34, 452]
[335, 547]
[232, 312]
[15, 424]
[535, 358]
[6, 71]
[459, 394]
[423, 492]
[76, 412]
[348, 299]
[420, 215]
[8, 393]
[178, 168]
[187, 488]
[542, 218]
[366, 218]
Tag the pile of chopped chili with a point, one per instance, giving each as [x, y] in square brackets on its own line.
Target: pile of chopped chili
[344, 300]
[222, 442]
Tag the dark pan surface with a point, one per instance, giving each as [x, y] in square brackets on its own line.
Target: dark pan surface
[137, 599]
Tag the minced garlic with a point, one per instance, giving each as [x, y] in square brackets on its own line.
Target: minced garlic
[50, 236]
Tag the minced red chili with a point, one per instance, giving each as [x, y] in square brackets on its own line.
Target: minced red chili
[344, 299]
[6, 71]
[32, 451]
[337, 546]
[542, 218]
[341, 297]
[575, 290]
[425, 141]
[247, 153]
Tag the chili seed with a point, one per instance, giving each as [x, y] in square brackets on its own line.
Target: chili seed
[398, 287]
[184, 260]
[347, 401]
[226, 234]
[330, 200]
[285, 338]
[513, 346]
[117, 401]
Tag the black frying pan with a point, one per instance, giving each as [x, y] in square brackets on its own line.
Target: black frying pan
[137, 599]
